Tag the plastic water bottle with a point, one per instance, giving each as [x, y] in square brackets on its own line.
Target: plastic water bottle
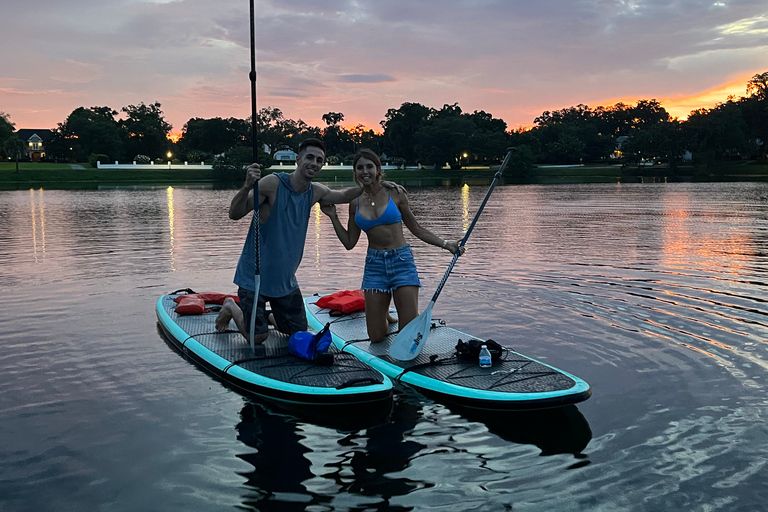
[485, 357]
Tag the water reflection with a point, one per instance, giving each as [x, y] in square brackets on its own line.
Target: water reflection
[655, 294]
[38, 217]
[286, 478]
[318, 234]
[171, 218]
[297, 464]
[562, 430]
[380, 452]
[465, 208]
[279, 462]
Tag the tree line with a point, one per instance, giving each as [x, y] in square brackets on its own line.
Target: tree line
[415, 134]
[734, 129]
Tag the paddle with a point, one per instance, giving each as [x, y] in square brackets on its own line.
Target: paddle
[412, 338]
[255, 219]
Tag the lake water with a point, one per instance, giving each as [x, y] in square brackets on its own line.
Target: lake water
[655, 294]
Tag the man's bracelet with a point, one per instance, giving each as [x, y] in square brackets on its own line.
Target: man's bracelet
[445, 243]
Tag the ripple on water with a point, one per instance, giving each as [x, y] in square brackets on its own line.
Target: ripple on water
[653, 294]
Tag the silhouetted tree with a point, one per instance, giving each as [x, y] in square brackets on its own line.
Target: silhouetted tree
[146, 130]
[6, 127]
[88, 131]
[214, 136]
[338, 141]
[755, 111]
[443, 137]
[364, 137]
[717, 133]
[278, 133]
[15, 148]
[489, 138]
[400, 126]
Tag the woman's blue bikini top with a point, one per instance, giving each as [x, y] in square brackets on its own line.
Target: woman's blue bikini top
[390, 216]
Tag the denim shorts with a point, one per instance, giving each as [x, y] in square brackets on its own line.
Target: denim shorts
[388, 270]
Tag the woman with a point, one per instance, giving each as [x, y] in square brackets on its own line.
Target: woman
[390, 271]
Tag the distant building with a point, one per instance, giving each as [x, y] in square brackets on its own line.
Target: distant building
[620, 140]
[35, 139]
[285, 155]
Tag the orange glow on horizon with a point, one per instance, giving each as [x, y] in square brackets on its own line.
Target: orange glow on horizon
[682, 105]
[174, 137]
[521, 127]
[679, 106]
[349, 125]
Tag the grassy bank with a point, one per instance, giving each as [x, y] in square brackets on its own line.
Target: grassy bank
[63, 176]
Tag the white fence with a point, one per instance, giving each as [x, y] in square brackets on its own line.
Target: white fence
[204, 166]
[152, 166]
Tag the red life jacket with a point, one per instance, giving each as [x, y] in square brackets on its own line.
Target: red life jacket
[194, 304]
[346, 301]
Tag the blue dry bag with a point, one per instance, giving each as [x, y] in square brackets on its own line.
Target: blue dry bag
[310, 346]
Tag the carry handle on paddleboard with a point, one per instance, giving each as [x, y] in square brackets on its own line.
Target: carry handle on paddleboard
[411, 339]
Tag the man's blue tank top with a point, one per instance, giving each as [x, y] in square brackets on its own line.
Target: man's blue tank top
[282, 242]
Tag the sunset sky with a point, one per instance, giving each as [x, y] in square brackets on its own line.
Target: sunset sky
[511, 58]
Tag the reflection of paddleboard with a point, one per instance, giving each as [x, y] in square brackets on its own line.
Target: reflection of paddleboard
[270, 371]
[556, 430]
[515, 382]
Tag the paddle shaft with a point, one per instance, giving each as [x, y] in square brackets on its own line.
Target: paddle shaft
[496, 178]
[255, 219]
[252, 76]
[411, 339]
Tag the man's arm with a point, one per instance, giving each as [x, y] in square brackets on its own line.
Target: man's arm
[325, 195]
[242, 203]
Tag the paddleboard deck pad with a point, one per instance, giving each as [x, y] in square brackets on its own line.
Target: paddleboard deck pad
[515, 382]
[270, 370]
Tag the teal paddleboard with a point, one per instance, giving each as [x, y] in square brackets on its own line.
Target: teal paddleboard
[515, 382]
[270, 371]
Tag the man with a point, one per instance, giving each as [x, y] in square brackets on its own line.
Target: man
[285, 200]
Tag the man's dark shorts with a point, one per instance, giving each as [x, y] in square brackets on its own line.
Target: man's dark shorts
[289, 313]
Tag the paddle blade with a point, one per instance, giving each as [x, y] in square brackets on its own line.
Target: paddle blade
[412, 338]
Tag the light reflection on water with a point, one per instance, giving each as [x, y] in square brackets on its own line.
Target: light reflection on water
[171, 219]
[654, 294]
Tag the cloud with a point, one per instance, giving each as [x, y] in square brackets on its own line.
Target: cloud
[366, 79]
[512, 59]
[288, 94]
[756, 25]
